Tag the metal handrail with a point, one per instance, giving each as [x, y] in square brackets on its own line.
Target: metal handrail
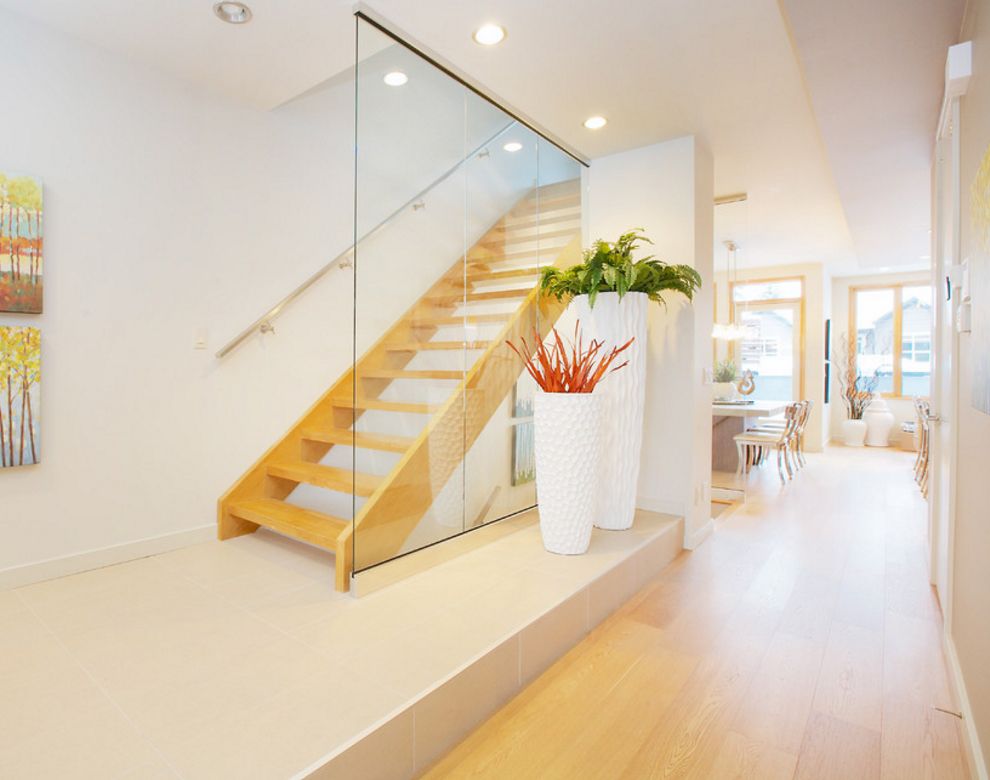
[346, 258]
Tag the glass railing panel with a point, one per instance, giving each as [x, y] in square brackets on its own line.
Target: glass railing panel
[407, 454]
[458, 205]
[499, 476]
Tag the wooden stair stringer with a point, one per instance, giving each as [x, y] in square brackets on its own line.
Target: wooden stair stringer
[423, 317]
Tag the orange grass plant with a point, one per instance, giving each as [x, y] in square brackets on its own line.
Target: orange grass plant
[568, 368]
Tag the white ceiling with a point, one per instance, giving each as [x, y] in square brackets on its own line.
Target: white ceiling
[659, 69]
[724, 69]
[875, 76]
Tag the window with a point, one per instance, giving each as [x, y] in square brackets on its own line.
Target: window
[893, 336]
[771, 314]
[773, 290]
[875, 336]
[916, 340]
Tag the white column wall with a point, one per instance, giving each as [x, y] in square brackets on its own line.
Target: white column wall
[667, 189]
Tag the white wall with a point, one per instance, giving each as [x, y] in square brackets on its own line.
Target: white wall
[167, 211]
[903, 408]
[970, 630]
[667, 190]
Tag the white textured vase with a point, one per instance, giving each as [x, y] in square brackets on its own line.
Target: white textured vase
[624, 393]
[568, 455]
[853, 433]
[879, 422]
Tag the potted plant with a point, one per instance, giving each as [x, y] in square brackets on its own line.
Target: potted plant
[610, 291]
[857, 392]
[567, 419]
[724, 378]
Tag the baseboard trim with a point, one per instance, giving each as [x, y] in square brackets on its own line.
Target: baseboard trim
[971, 740]
[694, 541]
[49, 569]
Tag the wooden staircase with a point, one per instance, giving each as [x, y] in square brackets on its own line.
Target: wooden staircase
[547, 219]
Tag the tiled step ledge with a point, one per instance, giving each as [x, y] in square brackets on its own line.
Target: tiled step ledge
[543, 626]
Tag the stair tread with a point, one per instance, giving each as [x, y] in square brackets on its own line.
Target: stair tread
[429, 346]
[510, 273]
[541, 237]
[452, 319]
[305, 524]
[384, 406]
[540, 221]
[401, 373]
[368, 441]
[329, 477]
[495, 256]
[482, 295]
[552, 208]
[498, 295]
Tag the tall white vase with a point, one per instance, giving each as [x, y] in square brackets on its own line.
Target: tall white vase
[568, 451]
[879, 422]
[624, 392]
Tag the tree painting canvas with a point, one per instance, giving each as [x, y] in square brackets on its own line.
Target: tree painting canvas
[20, 391]
[523, 453]
[21, 242]
[979, 286]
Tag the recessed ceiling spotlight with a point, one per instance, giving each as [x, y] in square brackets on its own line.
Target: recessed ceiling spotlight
[396, 78]
[512, 146]
[595, 122]
[234, 13]
[489, 34]
[925, 257]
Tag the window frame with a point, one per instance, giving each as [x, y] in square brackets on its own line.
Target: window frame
[897, 350]
[735, 349]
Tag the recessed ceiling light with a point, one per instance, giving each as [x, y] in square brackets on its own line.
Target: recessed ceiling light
[396, 78]
[489, 34]
[234, 13]
[925, 257]
[595, 122]
[512, 146]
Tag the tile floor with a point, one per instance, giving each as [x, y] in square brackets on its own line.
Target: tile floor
[239, 659]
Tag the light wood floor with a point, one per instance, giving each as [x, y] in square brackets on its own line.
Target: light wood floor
[801, 640]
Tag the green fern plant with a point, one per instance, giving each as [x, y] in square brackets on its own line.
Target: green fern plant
[609, 267]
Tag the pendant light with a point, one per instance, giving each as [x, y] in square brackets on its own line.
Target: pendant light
[729, 331]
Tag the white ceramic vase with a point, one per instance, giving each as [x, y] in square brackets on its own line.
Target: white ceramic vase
[724, 391]
[853, 433]
[624, 393]
[879, 422]
[568, 455]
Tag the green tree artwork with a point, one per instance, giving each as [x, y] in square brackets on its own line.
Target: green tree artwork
[20, 389]
[21, 243]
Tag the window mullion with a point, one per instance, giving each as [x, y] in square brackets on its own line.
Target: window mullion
[898, 338]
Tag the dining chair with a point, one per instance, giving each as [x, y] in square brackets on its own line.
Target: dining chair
[923, 409]
[753, 446]
[773, 424]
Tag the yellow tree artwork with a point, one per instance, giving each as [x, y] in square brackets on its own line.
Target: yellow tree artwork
[21, 244]
[20, 390]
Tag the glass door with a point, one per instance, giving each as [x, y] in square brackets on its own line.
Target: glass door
[771, 348]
